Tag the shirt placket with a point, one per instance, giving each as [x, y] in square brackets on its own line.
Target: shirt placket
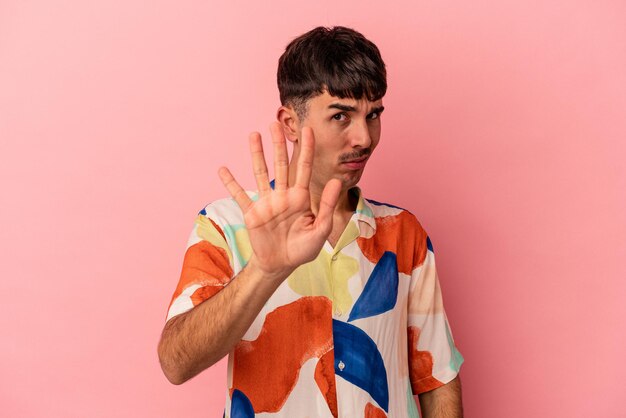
[338, 256]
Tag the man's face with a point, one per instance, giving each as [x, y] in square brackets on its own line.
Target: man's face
[346, 133]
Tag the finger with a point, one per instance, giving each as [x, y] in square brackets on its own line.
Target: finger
[305, 160]
[235, 190]
[330, 197]
[281, 159]
[259, 166]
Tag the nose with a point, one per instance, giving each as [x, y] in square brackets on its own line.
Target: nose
[360, 136]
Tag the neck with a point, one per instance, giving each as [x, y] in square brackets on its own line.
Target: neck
[346, 205]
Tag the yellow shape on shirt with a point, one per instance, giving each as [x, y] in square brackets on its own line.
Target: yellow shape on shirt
[206, 230]
[242, 240]
[326, 277]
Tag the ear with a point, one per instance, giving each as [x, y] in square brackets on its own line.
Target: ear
[290, 122]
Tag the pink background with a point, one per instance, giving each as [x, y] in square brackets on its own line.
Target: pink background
[504, 133]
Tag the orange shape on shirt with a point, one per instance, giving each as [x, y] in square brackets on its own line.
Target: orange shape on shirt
[325, 379]
[401, 234]
[266, 370]
[420, 366]
[207, 265]
[372, 411]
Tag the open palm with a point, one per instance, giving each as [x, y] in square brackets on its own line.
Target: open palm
[284, 232]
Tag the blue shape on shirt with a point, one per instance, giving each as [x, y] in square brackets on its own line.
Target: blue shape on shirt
[384, 204]
[240, 405]
[358, 361]
[202, 212]
[381, 290]
[429, 244]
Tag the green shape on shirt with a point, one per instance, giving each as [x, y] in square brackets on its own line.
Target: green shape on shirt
[456, 359]
[364, 209]
[411, 406]
[238, 234]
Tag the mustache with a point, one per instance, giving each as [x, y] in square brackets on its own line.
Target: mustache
[355, 155]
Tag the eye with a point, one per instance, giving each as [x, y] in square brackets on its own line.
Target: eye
[373, 115]
[340, 116]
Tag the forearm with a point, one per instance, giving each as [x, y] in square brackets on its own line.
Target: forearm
[443, 402]
[195, 340]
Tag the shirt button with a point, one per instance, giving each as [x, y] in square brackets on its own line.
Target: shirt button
[341, 365]
[334, 257]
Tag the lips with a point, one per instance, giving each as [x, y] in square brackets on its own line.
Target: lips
[356, 164]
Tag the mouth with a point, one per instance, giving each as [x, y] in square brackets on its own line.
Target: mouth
[357, 163]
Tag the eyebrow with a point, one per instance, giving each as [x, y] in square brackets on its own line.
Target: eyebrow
[347, 108]
[343, 107]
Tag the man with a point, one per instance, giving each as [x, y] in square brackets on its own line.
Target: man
[327, 303]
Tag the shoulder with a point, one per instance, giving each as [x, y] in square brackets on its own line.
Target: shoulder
[221, 223]
[220, 218]
[224, 212]
[385, 213]
[397, 230]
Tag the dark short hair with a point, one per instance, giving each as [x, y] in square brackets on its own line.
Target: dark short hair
[339, 60]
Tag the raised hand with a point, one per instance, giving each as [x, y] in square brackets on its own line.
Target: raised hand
[284, 232]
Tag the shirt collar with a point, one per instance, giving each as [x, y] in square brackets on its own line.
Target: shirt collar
[364, 212]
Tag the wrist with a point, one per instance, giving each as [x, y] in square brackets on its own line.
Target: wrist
[276, 275]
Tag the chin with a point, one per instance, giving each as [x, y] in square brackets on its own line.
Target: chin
[349, 182]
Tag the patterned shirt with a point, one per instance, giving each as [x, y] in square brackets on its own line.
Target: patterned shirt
[354, 333]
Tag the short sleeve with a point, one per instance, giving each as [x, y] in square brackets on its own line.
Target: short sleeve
[207, 266]
[433, 357]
